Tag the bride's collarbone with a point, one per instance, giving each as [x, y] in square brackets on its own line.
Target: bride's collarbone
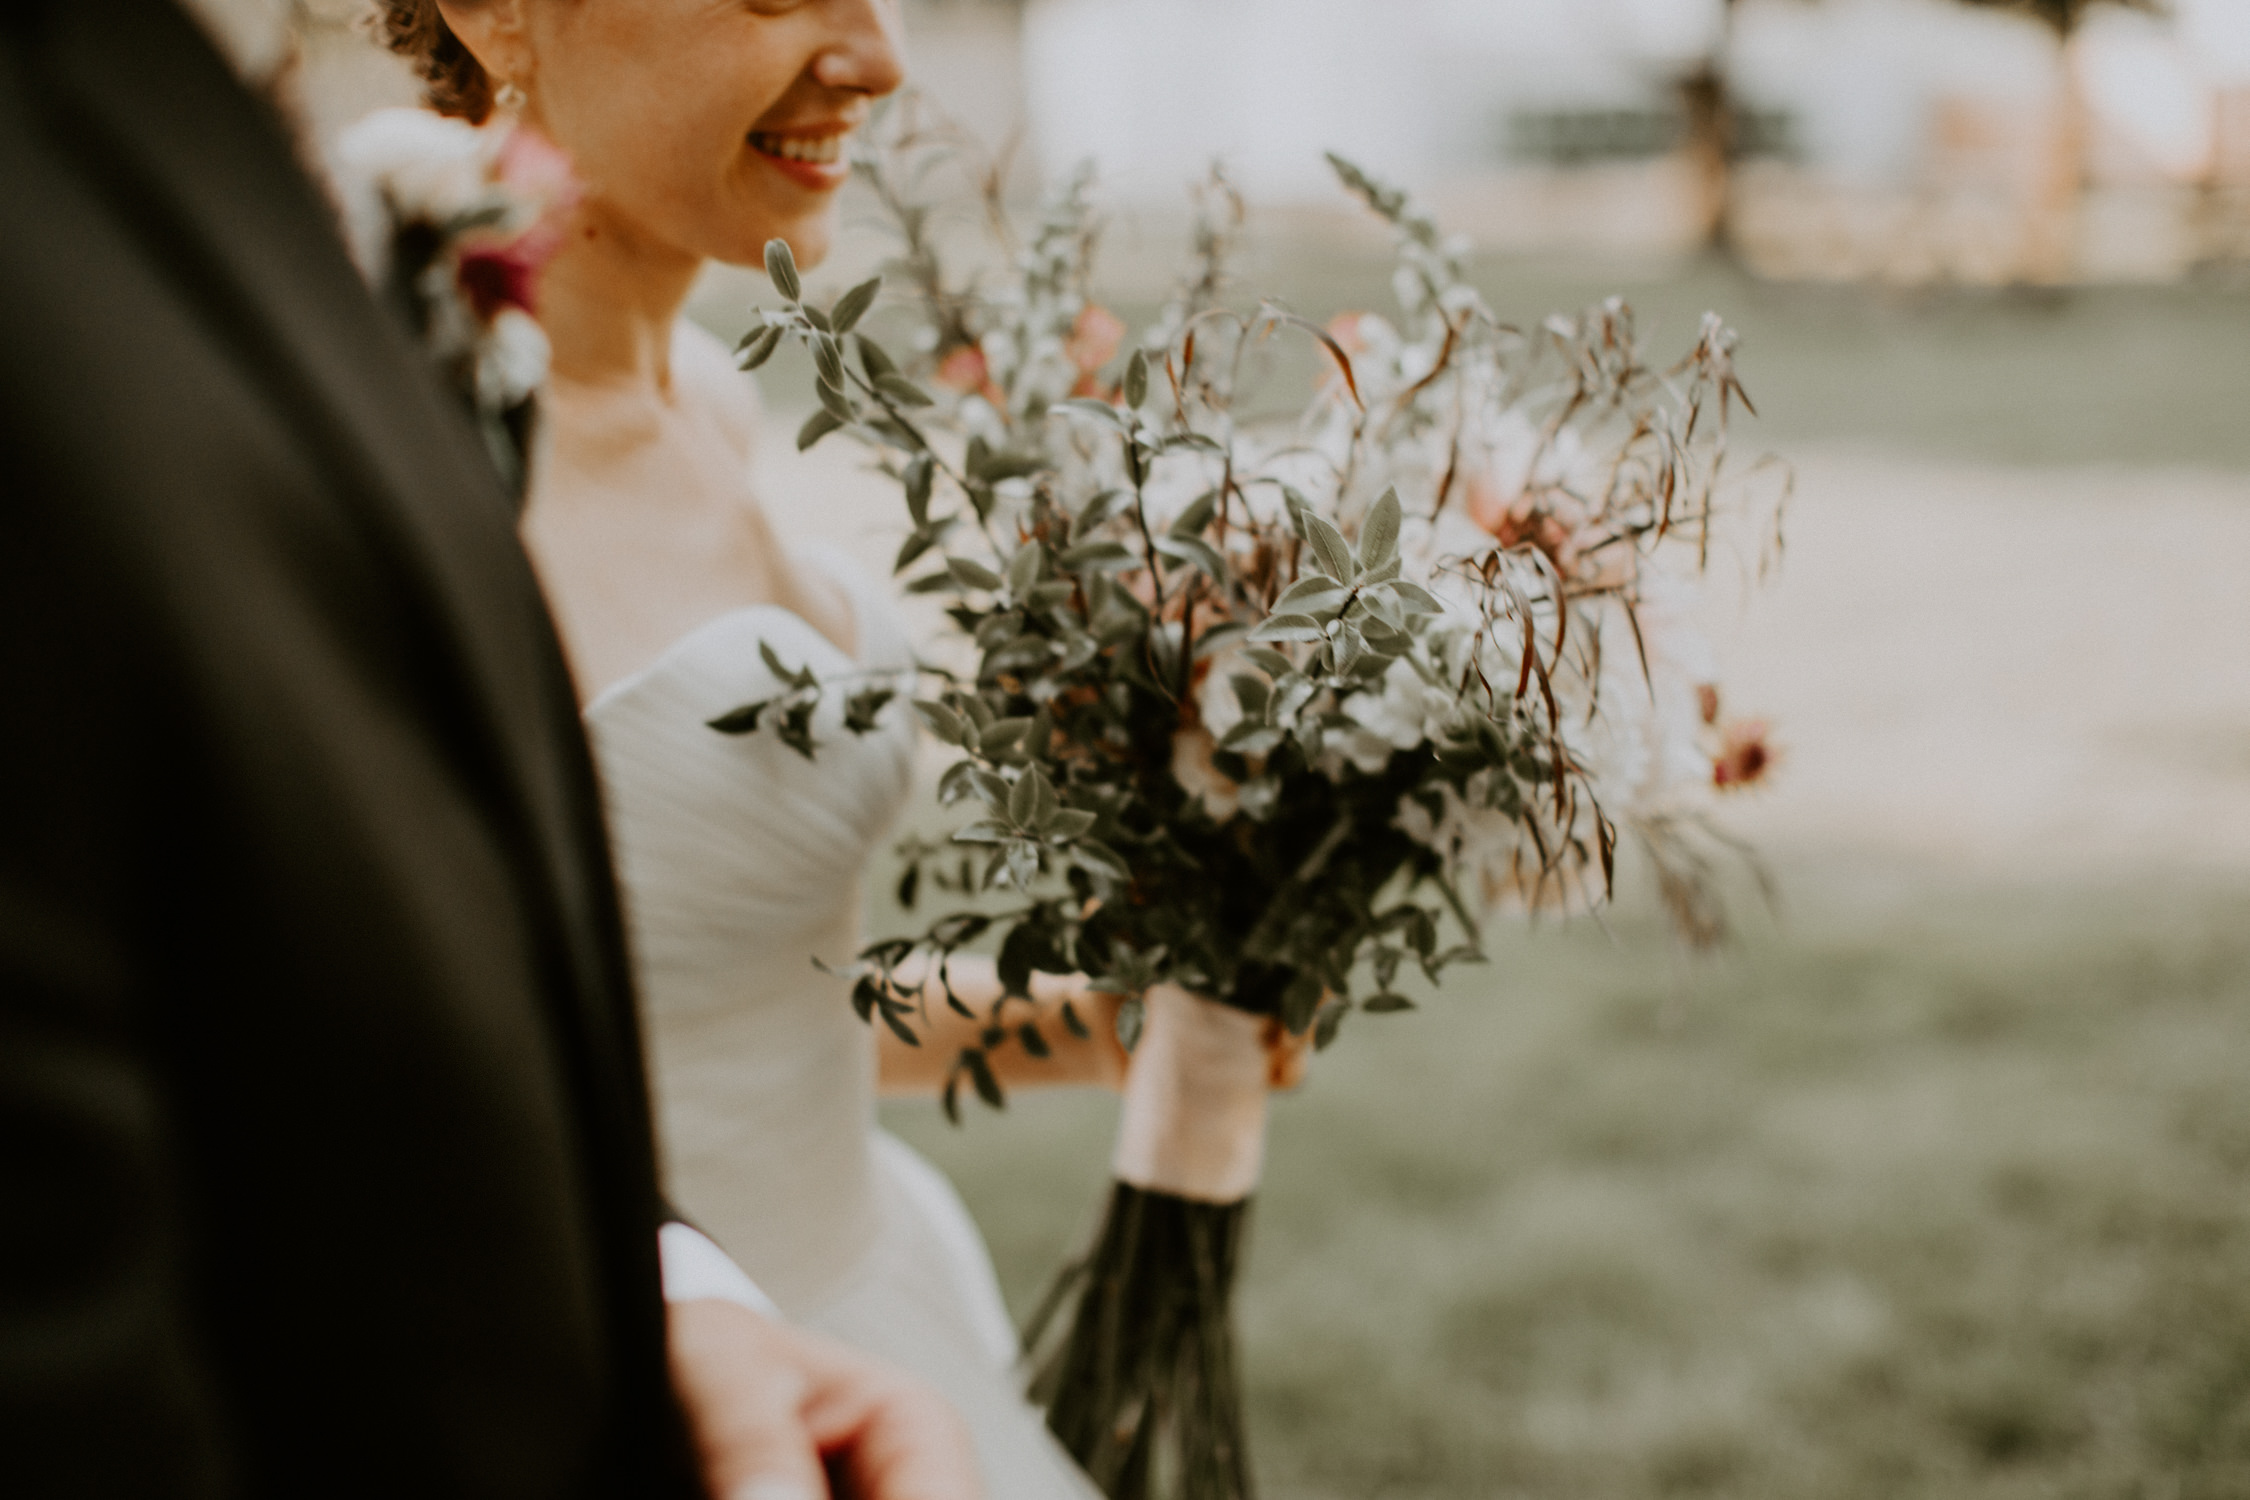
[634, 563]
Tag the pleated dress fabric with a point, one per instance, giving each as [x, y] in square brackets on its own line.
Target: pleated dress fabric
[741, 863]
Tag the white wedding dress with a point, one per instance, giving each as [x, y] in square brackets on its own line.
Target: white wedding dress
[741, 861]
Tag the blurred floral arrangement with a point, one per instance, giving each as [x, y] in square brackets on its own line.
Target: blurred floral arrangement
[1267, 708]
[453, 224]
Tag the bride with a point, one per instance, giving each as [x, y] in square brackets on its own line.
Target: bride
[702, 129]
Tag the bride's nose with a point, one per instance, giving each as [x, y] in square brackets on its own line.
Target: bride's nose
[866, 54]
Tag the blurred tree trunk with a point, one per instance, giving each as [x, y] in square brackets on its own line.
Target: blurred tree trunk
[2058, 201]
[2051, 249]
[1709, 139]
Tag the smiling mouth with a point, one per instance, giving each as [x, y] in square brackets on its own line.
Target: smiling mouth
[812, 150]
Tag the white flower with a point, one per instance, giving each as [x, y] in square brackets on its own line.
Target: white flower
[1215, 702]
[1644, 748]
[1220, 796]
[511, 360]
[1409, 711]
[407, 164]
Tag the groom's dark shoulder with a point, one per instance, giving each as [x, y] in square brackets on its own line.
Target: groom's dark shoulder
[293, 1106]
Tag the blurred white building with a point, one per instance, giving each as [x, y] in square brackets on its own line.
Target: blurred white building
[1916, 139]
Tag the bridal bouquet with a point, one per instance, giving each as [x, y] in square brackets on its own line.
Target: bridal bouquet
[453, 223]
[1267, 710]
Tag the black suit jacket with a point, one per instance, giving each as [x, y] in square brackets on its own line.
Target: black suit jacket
[325, 1163]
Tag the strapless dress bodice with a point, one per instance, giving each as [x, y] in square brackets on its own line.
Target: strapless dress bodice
[740, 862]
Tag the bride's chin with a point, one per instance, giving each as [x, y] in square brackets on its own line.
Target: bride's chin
[809, 242]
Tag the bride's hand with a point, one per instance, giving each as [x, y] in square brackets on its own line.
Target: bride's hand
[777, 1411]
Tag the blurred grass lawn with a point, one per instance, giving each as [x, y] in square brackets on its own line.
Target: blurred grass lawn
[1931, 1188]
[1944, 1194]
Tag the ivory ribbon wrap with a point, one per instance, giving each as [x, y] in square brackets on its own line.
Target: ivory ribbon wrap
[1194, 1117]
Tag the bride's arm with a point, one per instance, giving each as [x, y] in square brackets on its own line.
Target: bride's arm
[1096, 1060]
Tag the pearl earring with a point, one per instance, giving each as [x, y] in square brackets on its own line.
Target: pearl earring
[510, 98]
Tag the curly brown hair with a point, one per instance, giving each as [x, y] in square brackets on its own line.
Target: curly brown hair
[453, 80]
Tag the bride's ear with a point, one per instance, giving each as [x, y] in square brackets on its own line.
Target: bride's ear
[493, 31]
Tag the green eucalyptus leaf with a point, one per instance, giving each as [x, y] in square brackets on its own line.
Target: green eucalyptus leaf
[1196, 552]
[973, 575]
[758, 348]
[1346, 649]
[985, 831]
[1136, 379]
[874, 359]
[1196, 517]
[861, 710]
[1071, 823]
[1310, 596]
[1385, 1004]
[1033, 1043]
[912, 550]
[1099, 509]
[796, 729]
[1329, 547]
[817, 426]
[921, 475]
[904, 391]
[1414, 598]
[1101, 411]
[943, 722]
[1301, 1001]
[853, 305]
[1023, 802]
[980, 1074]
[835, 402]
[1252, 738]
[1269, 661]
[781, 266]
[1378, 534]
[1097, 856]
[743, 720]
[1003, 734]
[1093, 555]
[894, 1016]
[1289, 628]
[828, 359]
[958, 783]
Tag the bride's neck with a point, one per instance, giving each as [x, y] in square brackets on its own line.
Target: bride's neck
[609, 300]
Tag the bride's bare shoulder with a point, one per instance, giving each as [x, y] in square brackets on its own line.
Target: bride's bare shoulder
[703, 368]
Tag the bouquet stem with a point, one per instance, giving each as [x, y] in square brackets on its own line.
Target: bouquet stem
[1146, 1381]
[1144, 1391]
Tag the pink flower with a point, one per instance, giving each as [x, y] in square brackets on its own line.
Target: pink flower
[1746, 755]
[1349, 336]
[1094, 341]
[1555, 525]
[532, 166]
[495, 277]
[498, 274]
[966, 370]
